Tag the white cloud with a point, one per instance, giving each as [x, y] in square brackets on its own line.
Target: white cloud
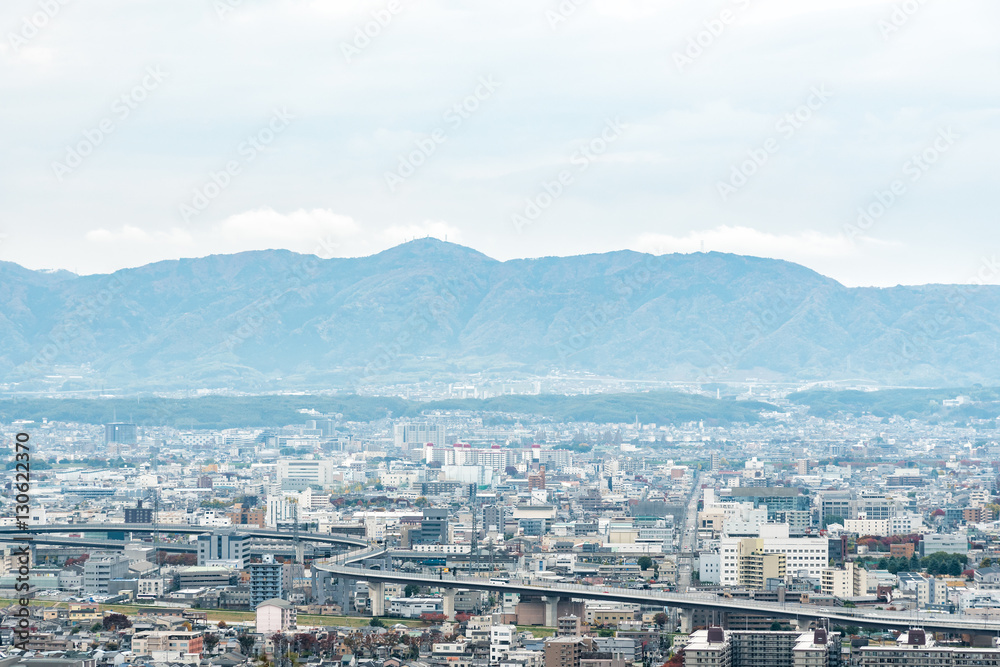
[265, 225]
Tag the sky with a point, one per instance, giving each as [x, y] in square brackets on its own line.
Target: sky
[855, 137]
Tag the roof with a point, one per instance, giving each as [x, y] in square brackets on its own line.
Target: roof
[275, 602]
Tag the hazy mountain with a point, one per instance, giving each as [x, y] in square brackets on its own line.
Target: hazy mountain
[429, 308]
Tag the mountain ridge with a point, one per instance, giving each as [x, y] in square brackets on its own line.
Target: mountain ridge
[428, 308]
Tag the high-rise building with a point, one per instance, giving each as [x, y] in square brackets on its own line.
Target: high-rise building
[225, 548]
[269, 580]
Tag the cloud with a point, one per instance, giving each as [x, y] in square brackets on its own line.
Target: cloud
[133, 234]
[265, 225]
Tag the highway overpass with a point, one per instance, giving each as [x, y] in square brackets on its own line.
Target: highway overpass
[799, 614]
[182, 529]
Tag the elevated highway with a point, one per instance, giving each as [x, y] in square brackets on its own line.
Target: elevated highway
[799, 614]
[6, 532]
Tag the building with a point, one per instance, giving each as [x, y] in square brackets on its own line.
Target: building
[268, 580]
[414, 606]
[100, 570]
[715, 647]
[566, 651]
[202, 576]
[915, 649]
[949, 544]
[275, 615]
[502, 640]
[415, 435]
[851, 581]
[225, 548]
[804, 556]
[297, 474]
[433, 527]
[120, 433]
[138, 514]
[569, 626]
[757, 566]
[166, 646]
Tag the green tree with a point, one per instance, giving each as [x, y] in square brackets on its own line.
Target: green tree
[645, 562]
[376, 623]
[411, 590]
[246, 643]
[211, 640]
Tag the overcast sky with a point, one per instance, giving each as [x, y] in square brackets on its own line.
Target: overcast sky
[135, 131]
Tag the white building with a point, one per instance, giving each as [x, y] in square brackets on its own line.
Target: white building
[806, 556]
[317, 472]
[275, 615]
[415, 606]
[501, 642]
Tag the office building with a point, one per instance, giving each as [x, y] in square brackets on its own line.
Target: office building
[98, 572]
[224, 548]
[295, 475]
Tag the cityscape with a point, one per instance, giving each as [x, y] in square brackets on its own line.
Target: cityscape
[488, 538]
[524, 333]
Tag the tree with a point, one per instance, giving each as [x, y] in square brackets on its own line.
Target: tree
[246, 643]
[645, 562]
[116, 622]
[222, 625]
[211, 640]
[986, 562]
[411, 590]
[660, 619]
[775, 626]
[376, 623]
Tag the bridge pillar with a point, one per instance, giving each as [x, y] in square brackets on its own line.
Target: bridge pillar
[376, 597]
[551, 611]
[687, 621]
[449, 604]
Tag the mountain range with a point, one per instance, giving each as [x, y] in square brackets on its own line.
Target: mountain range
[428, 309]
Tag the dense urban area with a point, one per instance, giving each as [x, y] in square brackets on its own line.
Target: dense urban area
[475, 538]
